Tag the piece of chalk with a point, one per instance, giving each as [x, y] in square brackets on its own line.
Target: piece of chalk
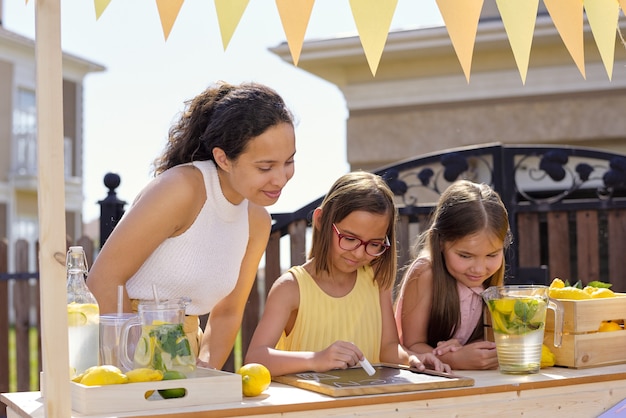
[367, 367]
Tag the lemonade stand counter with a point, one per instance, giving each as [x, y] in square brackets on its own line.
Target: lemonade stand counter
[553, 391]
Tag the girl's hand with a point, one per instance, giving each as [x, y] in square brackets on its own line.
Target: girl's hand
[338, 355]
[449, 346]
[420, 361]
[479, 355]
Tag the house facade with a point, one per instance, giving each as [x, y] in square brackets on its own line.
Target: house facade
[420, 101]
[18, 139]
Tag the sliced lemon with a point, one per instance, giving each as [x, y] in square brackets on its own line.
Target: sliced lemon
[143, 352]
[76, 319]
[505, 305]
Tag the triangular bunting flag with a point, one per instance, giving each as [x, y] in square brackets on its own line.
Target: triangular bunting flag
[100, 6]
[461, 20]
[373, 20]
[519, 19]
[168, 11]
[568, 20]
[603, 16]
[295, 15]
[229, 14]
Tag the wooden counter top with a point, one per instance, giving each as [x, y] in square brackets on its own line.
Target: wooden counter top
[555, 390]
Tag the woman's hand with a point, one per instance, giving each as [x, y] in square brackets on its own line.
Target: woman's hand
[420, 361]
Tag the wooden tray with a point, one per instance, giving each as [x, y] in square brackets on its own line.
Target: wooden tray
[388, 378]
[207, 387]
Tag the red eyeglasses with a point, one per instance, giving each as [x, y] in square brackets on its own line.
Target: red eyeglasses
[350, 243]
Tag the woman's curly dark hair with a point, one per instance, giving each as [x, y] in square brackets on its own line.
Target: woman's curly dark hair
[225, 116]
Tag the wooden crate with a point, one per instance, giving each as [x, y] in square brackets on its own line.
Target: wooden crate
[206, 388]
[583, 346]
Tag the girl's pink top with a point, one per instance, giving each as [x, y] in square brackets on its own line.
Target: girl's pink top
[471, 310]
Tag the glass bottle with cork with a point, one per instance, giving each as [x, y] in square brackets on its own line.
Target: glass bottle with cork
[83, 313]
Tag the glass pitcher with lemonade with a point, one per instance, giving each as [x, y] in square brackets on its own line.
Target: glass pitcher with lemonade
[163, 344]
[518, 318]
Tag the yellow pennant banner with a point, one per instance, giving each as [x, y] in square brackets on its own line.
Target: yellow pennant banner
[568, 20]
[461, 20]
[295, 16]
[519, 19]
[373, 20]
[229, 14]
[168, 12]
[100, 6]
[603, 16]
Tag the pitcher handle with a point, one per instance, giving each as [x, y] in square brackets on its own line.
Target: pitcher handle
[122, 347]
[558, 309]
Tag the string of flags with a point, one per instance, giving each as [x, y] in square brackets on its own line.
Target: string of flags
[461, 17]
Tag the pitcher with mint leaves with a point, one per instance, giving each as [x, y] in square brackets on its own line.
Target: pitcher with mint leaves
[163, 344]
[518, 318]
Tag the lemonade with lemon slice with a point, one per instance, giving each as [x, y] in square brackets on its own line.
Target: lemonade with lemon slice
[83, 314]
[83, 331]
[518, 326]
[164, 346]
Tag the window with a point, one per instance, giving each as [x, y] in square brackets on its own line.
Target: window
[25, 132]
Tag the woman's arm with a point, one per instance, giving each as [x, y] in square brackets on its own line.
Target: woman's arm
[226, 316]
[166, 207]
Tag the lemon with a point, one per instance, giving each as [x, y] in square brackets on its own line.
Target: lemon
[607, 326]
[143, 352]
[176, 392]
[504, 305]
[547, 357]
[255, 378]
[90, 311]
[557, 283]
[76, 319]
[569, 292]
[144, 374]
[602, 292]
[103, 375]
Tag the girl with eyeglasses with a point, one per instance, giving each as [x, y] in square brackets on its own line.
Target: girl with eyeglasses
[336, 309]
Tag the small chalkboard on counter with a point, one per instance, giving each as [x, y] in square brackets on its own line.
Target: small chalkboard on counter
[388, 378]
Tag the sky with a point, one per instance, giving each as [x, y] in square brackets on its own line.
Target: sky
[129, 107]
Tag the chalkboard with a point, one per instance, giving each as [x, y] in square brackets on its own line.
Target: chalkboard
[387, 379]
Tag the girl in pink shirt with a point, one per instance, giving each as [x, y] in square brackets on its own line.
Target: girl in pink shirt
[439, 307]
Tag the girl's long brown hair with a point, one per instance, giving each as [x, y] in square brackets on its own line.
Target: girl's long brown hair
[464, 208]
[356, 191]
